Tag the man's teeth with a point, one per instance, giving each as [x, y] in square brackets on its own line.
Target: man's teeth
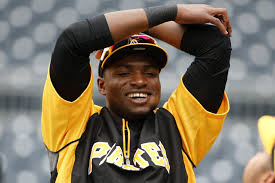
[137, 95]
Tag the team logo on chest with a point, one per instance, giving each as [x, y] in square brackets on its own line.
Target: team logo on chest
[113, 155]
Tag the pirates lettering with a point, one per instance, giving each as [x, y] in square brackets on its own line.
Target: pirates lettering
[114, 155]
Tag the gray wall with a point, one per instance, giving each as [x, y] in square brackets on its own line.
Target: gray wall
[28, 31]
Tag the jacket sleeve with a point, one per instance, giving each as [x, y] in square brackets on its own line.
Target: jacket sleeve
[199, 104]
[67, 97]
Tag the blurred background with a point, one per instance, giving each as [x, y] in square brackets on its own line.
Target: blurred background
[28, 31]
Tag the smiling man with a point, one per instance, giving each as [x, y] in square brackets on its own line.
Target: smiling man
[130, 139]
[131, 86]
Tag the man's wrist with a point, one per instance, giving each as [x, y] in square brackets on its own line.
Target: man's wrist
[160, 14]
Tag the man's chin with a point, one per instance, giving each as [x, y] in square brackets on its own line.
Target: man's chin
[132, 112]
[137, 114]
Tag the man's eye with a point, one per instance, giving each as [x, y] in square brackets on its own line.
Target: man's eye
[123, 74]
[150, 74]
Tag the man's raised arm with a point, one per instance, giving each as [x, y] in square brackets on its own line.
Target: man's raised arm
[207, 75]
[70, 69]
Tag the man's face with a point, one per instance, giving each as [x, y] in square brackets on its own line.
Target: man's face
[131, 86]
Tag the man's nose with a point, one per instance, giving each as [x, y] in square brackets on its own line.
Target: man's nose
[139, 80]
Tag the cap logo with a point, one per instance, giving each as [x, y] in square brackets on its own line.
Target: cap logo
[133, 41]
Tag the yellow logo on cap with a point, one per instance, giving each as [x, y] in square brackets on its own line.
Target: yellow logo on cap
[133, 41]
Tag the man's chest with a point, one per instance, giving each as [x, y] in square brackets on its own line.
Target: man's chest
[108, 152]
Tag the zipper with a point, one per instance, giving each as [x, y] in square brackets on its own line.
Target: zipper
[126, 150]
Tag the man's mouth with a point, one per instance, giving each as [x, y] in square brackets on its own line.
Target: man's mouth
[137, 95]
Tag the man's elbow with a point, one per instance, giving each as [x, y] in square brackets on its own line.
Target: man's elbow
[220, 53]
[73, 39]
[223, 49]
[226, 44]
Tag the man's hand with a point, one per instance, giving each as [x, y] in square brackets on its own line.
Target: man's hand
[199, 13]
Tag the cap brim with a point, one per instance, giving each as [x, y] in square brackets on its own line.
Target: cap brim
[152, 50]
[266, 127]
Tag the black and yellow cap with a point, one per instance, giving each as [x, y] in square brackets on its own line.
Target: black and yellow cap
[138, 43]
[266, 128]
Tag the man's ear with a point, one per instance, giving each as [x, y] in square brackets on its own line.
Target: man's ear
[101, 85]
[268, 177]
[98, 54]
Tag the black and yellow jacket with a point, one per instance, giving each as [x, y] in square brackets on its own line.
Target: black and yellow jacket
[87, 144]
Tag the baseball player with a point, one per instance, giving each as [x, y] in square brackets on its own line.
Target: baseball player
[130, 139]
[260, 169]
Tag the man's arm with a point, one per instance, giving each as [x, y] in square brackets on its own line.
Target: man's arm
[186, 14]
[207, 75]
[172, 32]
[70, 70]
[199, 116]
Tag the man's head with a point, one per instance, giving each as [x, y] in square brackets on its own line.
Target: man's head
[129, 77]
[260, 169]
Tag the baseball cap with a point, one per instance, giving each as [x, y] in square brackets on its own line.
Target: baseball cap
[138, 43]
[266, 128]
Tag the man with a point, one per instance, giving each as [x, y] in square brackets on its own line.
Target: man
[260, 169]
[131, 140]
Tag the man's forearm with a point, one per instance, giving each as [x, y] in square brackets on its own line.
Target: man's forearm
[169, 32]
[122, 24]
